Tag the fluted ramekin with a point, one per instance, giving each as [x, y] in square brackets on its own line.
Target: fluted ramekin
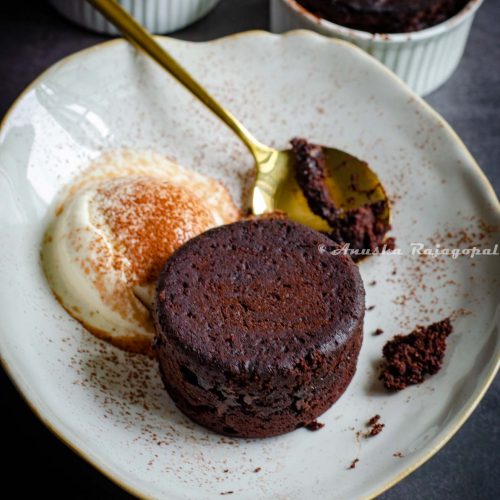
[423, 59]
[158, 16]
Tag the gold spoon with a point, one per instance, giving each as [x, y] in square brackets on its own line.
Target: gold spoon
[351, 183]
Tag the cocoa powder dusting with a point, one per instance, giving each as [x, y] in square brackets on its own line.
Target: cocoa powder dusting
[149, 220]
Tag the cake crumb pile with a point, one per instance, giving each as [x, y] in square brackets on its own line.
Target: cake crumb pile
[408, 359]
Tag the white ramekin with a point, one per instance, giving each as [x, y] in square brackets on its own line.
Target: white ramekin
[423, 59]
[158, 16]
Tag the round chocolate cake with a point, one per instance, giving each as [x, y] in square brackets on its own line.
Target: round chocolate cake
[385, 16]
[259, 325]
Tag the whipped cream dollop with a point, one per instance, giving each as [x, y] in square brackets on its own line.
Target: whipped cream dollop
[112, 233]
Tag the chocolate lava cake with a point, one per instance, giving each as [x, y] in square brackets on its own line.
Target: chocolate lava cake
[385, 16]
[258, 326]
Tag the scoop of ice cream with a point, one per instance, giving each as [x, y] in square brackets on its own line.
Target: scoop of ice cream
[109, 241]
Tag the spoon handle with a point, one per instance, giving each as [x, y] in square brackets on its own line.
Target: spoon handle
[141, 38]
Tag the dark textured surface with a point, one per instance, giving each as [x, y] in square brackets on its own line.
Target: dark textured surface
[227, 302]
[411, 358]
[385, 16]
[33, 36]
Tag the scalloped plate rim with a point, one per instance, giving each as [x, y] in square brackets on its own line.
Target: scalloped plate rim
[57, 426]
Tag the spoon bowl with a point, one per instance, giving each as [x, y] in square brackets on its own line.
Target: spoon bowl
[351, 184]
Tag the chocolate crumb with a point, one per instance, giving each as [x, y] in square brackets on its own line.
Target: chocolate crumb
[258, 469]
[373, 283]
[353, 464]
[225, 471]
[376, 429]
[390, 243]
[226, 492]
[398, 454]
[378, 331]
[370, 308]
[409, 358]
[314, 426]
[376, 426]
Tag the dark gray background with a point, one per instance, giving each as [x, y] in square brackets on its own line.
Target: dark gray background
[33, 36]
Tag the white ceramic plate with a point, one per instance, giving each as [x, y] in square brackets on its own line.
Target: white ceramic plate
[110, 406]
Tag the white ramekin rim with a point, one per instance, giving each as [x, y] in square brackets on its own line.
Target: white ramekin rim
[387, 38]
